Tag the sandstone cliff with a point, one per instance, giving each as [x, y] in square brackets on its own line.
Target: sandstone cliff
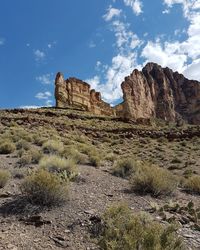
[157, 92]
[74, 92]
[154, 92]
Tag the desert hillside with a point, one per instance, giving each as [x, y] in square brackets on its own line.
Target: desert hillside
[73, 180]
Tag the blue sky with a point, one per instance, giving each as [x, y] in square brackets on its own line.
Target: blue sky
[100, 41]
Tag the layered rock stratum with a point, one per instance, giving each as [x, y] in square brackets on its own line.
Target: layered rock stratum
[75, 92]
[153, 93]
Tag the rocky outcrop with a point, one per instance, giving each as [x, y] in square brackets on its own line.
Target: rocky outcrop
[74, 92]
[157, 92]
[154, 92]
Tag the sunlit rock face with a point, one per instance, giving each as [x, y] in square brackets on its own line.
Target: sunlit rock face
[74, 92]
[154, 92]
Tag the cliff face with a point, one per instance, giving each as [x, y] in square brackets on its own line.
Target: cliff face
[77, 93]
[158, 92]
[154, 92]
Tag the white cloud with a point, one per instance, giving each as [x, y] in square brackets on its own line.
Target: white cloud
[94, 82]
[2, 41]
[136, 6]
[166, 11]
[122, 63]
[111, 12]
[168, 54]
[192, 70]
[178, 55]
[39, 55]
[29, 107]
[43, 95]
[48, 103]
[45, 79]
[125, 38]
[92, 45]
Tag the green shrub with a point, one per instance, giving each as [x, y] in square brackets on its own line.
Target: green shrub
[193, 184]
[44, 188]
[154, 180]
[4, 177]
[53, 147]
[127, 231]
[125, 167]
[7, 147]
[58, 164]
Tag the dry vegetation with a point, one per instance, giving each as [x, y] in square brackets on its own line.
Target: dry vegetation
[85, 163]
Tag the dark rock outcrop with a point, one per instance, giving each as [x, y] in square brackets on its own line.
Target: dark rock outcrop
[157, 92]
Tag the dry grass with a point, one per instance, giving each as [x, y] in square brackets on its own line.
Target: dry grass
[54, 163]
[193, 184]
[44, 188]
[4, 177]
[153, 180]
[7, 147]
[53, 147]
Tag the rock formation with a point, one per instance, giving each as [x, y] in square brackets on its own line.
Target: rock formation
[74, 92]
[157, 92]
[154, 92]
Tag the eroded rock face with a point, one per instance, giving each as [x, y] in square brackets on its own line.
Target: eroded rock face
[154, 92]
[74, 92]
[157, 92]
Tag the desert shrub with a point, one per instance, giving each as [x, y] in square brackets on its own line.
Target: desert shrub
[162, 139]
[154, 180]
[23, 144]
[124, 230]
[176, 160]
[20, 152]
[125, 167]
[53, 147]
[193, 184]
[20, 134]
[7, 147]
[36, 155]
[94, 159]
[110, 157]
[38, 139]
[25, 159]
[44, 188]
[93, 155]
[72, 153]
[4, 177]
[58, 164]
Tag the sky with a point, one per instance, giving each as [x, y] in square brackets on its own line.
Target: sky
[98, 41]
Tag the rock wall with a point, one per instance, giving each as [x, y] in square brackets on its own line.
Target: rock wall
[154, 92]
[157, 92]
[74, 92]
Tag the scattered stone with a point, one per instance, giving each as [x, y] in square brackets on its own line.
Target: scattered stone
[37, 221]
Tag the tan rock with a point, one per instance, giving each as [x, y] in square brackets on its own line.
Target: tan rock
[74, 92]
[154, 92]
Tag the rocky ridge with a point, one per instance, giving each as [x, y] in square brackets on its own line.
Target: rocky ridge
[153, 93]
